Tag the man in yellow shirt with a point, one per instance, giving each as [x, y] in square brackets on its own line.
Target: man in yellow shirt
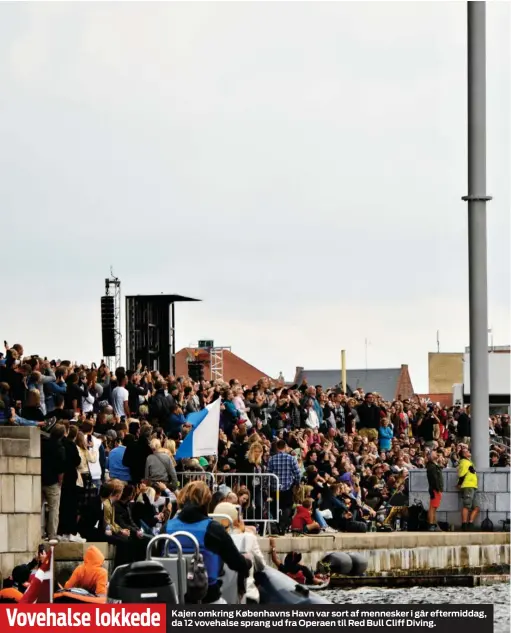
[467, 484]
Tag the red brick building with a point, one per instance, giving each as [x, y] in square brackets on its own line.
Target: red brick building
[233, 366]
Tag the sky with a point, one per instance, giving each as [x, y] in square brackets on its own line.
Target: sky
[298, 167]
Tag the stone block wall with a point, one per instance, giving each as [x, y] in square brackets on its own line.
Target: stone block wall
[494, 495]
[20, 496]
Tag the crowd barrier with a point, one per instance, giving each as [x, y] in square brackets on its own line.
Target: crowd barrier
[262, 507]
[186, 477]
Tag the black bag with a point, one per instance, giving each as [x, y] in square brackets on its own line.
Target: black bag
[196, 579]
[487, 524]
[417, 517]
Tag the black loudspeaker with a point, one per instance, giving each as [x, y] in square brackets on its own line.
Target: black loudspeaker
[108, 325]
[196, 370]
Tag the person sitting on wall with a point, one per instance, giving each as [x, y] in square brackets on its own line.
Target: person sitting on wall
[302, 521]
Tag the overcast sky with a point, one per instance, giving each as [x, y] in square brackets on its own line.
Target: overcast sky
[297, 166]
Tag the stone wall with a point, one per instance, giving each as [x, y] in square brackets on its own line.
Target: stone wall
[387, 553]
[406, 553]
[494, 495]
[20, 496]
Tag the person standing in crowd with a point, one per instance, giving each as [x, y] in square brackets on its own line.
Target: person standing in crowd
[463, 430]
[285, 466]
[369, 418]
[136, 392]
[161, 406]
[88, 455]
[429, 428]
[436, 487]
[53, 465]
[136, 455]
[69, 497]
[96, 468]
[73, 397]
[55, 388]
[159, 466]
[116, 468]
[120, 398]
[467, 484]
[386, 434]
[310, 415]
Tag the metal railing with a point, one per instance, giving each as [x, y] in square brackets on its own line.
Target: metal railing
[262, 489]
[188, 476]
[501, 442]
[262, 507]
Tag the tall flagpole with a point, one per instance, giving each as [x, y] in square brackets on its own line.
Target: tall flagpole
[477, 255]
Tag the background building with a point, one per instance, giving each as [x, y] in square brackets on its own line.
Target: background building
[449, 377]
[390, 383]
[218, 362]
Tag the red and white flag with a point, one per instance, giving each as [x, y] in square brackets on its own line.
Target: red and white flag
[39, 589]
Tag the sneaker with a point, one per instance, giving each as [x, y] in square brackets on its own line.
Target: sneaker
[464, 527]
[76, 538]
[329, 530]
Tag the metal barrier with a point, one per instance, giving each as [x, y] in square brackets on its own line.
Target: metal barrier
[501, 443]
[263, 491]
[262, 507]
[223, 517]
[186, 477]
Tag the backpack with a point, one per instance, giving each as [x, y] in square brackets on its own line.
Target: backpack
[487, 524]
[417, 516]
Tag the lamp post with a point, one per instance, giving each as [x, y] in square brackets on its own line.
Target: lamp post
[477, 254]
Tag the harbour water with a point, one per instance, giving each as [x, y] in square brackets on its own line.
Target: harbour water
[498, 595]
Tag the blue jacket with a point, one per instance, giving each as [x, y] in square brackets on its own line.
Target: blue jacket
[212, 561]
[386, 433]
[216, 545]
[51, 389]
[115, 466]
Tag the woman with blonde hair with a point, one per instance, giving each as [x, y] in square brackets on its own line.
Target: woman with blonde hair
[88, 455]
[216, 545]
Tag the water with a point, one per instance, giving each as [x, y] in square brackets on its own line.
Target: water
[498, 595]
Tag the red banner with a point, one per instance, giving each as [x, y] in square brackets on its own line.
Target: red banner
[86, 618]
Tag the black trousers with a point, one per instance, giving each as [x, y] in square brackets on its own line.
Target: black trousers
[286, 509]
[68, 510]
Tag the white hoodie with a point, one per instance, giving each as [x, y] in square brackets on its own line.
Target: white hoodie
[95, 467]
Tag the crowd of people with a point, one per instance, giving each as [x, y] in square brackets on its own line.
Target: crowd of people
[341, 461]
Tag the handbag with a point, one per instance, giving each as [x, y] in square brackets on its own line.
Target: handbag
[196, 579]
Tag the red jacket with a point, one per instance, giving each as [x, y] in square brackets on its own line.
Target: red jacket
[301, 518]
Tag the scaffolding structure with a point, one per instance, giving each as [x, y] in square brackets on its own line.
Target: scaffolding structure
[113, 284]
[216, 362]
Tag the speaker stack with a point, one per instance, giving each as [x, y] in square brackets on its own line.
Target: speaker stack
[108, 325]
